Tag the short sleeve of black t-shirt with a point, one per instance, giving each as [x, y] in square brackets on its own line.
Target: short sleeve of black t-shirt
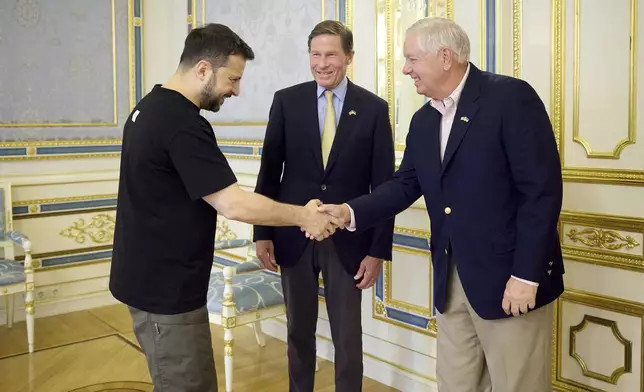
[199, 161]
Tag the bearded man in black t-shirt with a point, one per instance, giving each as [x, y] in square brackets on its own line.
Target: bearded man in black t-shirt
[173, 181]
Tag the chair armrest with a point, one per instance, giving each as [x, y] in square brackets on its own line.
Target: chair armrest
[20, 239]
[231, 244]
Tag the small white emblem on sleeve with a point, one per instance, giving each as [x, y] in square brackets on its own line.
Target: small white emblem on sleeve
[135, 115]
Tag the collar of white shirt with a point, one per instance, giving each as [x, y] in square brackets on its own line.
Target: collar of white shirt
[453, 98]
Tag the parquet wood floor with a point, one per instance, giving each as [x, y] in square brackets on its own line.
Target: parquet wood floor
[95, 350]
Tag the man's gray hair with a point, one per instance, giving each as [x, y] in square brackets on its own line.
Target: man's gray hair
[436, 33]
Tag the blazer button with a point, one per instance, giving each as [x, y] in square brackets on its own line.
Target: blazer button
[323, 187]
[448, 210]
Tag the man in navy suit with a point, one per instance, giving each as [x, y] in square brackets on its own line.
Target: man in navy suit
[483, 155]
[331, 140]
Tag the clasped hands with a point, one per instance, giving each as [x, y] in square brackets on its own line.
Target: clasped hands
[322, 220]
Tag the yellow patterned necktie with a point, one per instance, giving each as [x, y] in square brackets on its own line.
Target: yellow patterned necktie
[328, 133]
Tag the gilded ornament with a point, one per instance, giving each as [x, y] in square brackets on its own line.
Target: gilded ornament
[224, 232]
[604, 239]
[380, 308]
[228, 348]
[100, 229]
[432, 326]
[229, 322]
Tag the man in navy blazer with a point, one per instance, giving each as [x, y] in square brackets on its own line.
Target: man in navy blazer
[331, 140]
[483, 155]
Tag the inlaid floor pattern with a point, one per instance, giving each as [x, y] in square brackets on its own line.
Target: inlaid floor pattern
[95, 350]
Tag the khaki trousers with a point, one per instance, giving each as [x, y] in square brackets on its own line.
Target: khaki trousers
[477, 355]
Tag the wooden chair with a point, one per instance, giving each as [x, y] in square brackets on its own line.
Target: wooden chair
[242, 295]
[15, 277]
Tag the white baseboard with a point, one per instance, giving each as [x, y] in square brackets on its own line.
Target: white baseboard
[60, 306]
[374, 367]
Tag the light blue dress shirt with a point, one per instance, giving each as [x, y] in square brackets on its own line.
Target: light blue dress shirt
[339, 93]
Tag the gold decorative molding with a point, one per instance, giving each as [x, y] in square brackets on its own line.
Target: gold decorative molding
[413, 232]
[602, 239]
[348, 16]
[31, 146]
[100, 229]
[403, 305]
[114, 86]
[482, 47]
[244, 142]
[632, 87]
[228, 348]
[516, 37]
[557, 108]
[63, 199]
[449, 8]
[379, 307]
[604, 176]
[558, 72]
[628, 349]
[35, 206]
[61, 143]
[256, 144]
[602, 303]
[224, 232]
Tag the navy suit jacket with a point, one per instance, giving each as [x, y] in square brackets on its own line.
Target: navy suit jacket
[493, 202]
[361, 159]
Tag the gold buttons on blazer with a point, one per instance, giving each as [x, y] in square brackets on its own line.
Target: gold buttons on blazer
[448, 210]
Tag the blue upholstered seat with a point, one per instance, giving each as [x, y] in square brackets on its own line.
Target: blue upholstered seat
[11, 272]
[253, 291]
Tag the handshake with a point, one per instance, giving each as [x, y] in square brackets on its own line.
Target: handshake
[320, 221]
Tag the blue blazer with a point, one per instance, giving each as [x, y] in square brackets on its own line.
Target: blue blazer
[493, 202]
[291, 171]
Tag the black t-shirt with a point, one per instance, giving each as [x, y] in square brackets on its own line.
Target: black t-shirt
[165, 231]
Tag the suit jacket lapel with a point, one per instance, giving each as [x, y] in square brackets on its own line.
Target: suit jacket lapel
[313, 126]
[345, 126]
[465, 112]
[430, 140]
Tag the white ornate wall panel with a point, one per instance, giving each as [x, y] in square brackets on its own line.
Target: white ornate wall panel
[602, 348]
[599, 138]
[598, 141]
[277, 32]
[584, 65]
[592, 101]
[553, 45]
[67, 222]
[74, 103]
[70, 220]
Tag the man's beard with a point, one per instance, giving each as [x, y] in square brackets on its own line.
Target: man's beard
[209, 100]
